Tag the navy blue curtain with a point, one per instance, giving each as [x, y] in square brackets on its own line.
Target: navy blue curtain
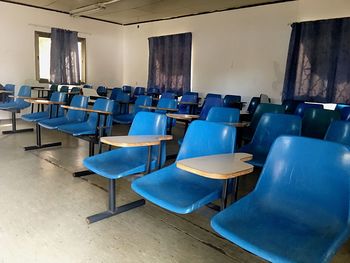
[64, 61]
[318, 64]
[170, 62]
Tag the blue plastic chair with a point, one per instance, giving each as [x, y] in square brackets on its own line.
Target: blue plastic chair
[94, 121]
[233, 101]
[299, 209]
[122, 162]
[253, 104]
[127, 89]
[345, 114]
[270, 127]
[208, 104]
[128, 118]
[291, 105]
[115, 93]
[188, 109]
[102, 91]
[168, 95]
[137, 92]
[213, 95]
[153, 91]
[316, 122]
[302, 107]
[339, 131]
[5, 96]
[183, 192]
[341, 106]
[261, 108]
[64, 89]
[72, 116]
[166, 103]
[53, 111]
[225, 115]
[16, 106]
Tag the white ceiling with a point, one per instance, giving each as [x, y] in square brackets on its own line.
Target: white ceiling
[137, 11]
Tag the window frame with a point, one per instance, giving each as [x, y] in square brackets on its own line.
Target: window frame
[38, 34]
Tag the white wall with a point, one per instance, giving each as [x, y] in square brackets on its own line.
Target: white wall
[241, 51]
[17, 54]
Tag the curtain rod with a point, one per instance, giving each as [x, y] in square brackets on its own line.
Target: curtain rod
[49, 27]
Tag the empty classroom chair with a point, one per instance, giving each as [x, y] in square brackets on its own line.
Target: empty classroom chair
[52, 111]
[339, 131]
[316, 122]
[270, 127]
[5, 96]
[188, 108]
[16, 106]
[341, 106]
[128, 118]
[253, 104]
[127, 89]
[101, 91]
[213, 95]
[168, 95]
[299, 209]
[153, 91]
[72, 116]
[115, 93]
[64, 89]
[345, 114]
[291, 105]
[208, 104]
[125, 161]
[232, 101]
[262, 108]
[224, 115]
[302, 107]
[183, 192]
[137, 92]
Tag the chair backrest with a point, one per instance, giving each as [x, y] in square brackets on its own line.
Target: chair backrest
[207, 138]
[185, 109]
[139, 91]
[264, 108]
[57, 97]
[142, 101]
[166, 103]
[307, 178]
[291, 105]
[191, 93]
[339, 131]
[24, 91]
[115, 92]
[9, 87]
[253, 104]
[75, 90]
[53, 87]
[341, 106]
[149, 123]
[102, 105]
[80, 102]
[302, 107]
[153, 91]
[221, 114]
[208, 104]
[316, 122]
[213, 95]
[345, 114]
[127, 89]
[232, 100]
[270, 127]
[64, 89]
[168, 95]
[102, 91]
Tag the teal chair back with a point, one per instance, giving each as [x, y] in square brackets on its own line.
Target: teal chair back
[222, 114]
[339, 131]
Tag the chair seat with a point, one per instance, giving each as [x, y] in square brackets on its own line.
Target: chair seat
[119, 162]
[78, 129]
[36, 116]
[276, 234]
[53, 123]
[177, 190]
[9, 106]
[124, 118]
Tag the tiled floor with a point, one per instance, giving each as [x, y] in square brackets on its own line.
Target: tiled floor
[43, 211]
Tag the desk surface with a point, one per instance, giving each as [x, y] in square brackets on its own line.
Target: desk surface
[86, 109]
[156, 108]
[182, 116]
[135, 140]
[45, 102]
[221, 166]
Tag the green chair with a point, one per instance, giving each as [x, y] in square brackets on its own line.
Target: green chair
[316, 121]
[247, 133]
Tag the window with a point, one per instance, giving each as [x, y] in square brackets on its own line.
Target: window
[42, 55]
